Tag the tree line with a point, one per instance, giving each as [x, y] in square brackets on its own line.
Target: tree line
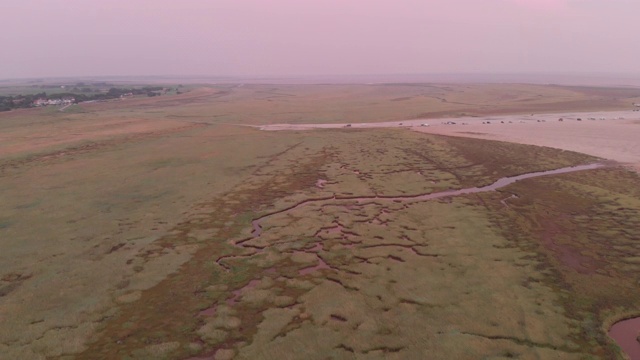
[26, 101]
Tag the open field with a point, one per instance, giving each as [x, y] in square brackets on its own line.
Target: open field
[159, 228]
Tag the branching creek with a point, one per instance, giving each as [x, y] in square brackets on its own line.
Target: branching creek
[500, 183]
[623, 332]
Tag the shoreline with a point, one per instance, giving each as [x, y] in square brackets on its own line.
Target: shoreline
[614, 138]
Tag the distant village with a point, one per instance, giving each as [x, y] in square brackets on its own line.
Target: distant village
[79, 94]
[45, 102]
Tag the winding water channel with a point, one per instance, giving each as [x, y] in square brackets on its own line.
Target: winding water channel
[626, 333]
[500, 183]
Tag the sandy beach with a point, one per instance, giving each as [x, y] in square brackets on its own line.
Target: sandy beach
[613, 135]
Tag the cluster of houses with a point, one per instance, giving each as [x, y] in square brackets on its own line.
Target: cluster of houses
[46, 102]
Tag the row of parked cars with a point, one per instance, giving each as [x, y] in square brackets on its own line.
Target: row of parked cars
[489, 122]
[423, 124]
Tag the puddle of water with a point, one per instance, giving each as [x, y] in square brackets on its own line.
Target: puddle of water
[335, 230]
[233, 300]
[377, 221]
[237, 293]
[318, 247]
[257, 229]
[311, 269]
[626, 333]
[209, 312]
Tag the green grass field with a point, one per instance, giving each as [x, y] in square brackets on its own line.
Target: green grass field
[126, 231]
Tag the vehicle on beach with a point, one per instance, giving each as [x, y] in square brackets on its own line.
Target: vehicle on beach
[424, 124]
[348, 125]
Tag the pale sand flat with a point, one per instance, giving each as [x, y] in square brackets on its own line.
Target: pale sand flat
[617, 137]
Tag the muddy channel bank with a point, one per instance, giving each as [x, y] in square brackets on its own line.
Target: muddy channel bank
[625, 333]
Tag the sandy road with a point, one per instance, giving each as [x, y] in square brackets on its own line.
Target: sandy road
[612, 135]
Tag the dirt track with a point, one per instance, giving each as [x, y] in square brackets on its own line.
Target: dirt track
[614, 138]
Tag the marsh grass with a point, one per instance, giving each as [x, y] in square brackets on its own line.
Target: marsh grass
[585, 230]
[131, 248]
[437, 273]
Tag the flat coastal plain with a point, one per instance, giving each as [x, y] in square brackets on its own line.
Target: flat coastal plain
[173, 227]
[611, 135]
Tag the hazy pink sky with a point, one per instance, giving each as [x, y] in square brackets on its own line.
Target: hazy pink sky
[294, 37]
